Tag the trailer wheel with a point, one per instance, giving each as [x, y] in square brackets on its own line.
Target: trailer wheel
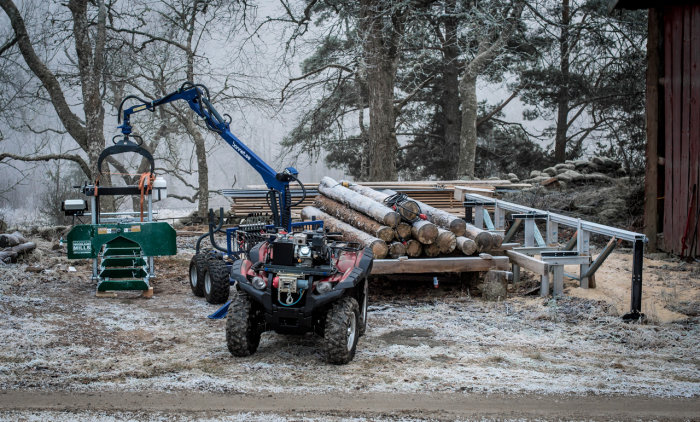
[243, 326]
[341, 332]
[216, 281]
[362, 320]
[197, 266]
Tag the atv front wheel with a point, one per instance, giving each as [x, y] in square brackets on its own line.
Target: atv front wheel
[342, 331]
[243, 326]
[197, 266]
[216, 281]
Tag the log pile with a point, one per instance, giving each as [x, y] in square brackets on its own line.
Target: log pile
[394, 225]
[13, 245]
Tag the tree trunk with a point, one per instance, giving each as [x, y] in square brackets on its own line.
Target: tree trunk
[563, 96]
[482, 238]
[468, 134]
[349, 233]
[397, 249]
[413, 248]
[407, 208]
[11, 254]
[403, 231]
[446, 240]
[424, 231]
[431, 250]
[450, 94]
[380, 39]
[443, 219]
[466, 245]
[13, 239]
[354, 218]
[332, 189]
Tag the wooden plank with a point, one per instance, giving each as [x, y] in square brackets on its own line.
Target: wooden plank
[668, 132]
[695, 121]
[682, 193]
[438, 265]
[651, 178]
[528, 262]
[676, 86]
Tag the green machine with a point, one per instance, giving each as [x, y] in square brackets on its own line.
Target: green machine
[121, 244]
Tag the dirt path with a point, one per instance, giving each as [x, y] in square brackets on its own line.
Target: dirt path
[441, 406]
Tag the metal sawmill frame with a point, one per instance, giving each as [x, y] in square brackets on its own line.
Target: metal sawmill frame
[553, 256]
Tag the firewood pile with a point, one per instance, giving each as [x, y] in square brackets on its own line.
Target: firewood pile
[13, 245]
[395, 225]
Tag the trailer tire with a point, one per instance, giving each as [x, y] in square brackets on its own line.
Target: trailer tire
[216, 283]
[341, 331]
[243, 326]
[198, 264]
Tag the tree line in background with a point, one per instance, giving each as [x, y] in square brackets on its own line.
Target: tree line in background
[396, 83]
[386, 88]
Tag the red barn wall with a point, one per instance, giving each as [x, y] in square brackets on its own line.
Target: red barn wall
[681, 86]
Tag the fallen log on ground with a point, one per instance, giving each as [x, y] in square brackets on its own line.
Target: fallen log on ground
[354, 218]
[14, 239]
[424, 231]
[446, 240]
[359, 202]
[466, 245]
[405, 206]
[349, 233]
[413, 248]
[11, 254]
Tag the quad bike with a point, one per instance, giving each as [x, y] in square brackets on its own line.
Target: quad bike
[296, 283]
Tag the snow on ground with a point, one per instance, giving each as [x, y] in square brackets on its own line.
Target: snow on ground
[56, 335]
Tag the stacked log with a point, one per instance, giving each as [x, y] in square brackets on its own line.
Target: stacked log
[359, 202]
[349, 233]
[354, 218]
[362, 215]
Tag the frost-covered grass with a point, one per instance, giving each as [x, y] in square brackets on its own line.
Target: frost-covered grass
[55, 335]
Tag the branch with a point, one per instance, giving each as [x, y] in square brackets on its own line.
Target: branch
[69, 120]
[8, 45]
[48, 157]
[403, 102]
[313, 72]
[497, 109]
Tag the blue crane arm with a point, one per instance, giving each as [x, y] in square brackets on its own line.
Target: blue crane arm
[200, 104]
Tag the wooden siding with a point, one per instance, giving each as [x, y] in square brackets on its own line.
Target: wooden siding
[681, 125]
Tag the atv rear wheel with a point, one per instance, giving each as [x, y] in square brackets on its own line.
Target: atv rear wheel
[216, 281]
[197, 266]
[341, 332]
[243, 326]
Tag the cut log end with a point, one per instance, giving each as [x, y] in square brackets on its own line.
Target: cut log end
[432, 250]
[403, 231]
[425, 232]
[458, 227]
[466, 245]
[446, 240]
[413, 248]
[397, 249]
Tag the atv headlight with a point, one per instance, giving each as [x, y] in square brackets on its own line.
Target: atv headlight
[259, 283]
[324, 287]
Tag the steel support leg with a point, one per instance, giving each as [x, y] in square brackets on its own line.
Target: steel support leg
[516, 273]
[637, 262]
[544, 286]
[558, 280]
